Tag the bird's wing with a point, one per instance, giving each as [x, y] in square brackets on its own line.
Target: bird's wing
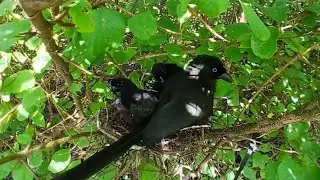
[175, 115]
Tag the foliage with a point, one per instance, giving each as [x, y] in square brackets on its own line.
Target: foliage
[125, 39]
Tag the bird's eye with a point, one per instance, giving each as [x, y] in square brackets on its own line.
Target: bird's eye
[214, 69]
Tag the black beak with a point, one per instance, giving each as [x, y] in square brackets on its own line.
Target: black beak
[225, 76]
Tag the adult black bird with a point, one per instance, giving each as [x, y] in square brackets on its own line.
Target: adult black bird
[187, 97]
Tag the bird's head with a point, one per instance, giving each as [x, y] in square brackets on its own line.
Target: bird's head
[120, 85]
[208, 64]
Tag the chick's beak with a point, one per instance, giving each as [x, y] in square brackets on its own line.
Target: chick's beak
[225, 76]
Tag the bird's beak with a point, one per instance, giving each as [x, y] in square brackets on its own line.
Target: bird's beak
[225, 76]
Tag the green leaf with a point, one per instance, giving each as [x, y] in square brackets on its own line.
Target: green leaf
[296, 130]
[143, 25]
[213, 8]
[135, 78]
[227, 155]
[123, 56]
[24, 139]
[33, 99]
[289, 169]
[149, 171]
[279, 11]
[314, 8]
[265, 49]
[271, 171]
[19, 82]
[82, 142]
[33, 43]
[238, 31]
[249, 173]
[233, 54]
[7, 6]
[172, 6]
[155, 40]
[60, 160]
[97, 42]
[183, 12]
[22, 172]
[76, 87]
[9, 33]
[294, 73]
[6, 168]
[82, 16]
[225, 89]
[310, 20]
[35, 159]
[109, 173]
[259, 160]
[22, 113]
[38, 119]
[5, 59]
[175, 53]
[42, 60]
[257, 26]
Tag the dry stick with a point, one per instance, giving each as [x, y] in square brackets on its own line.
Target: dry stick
[45, 33]
[50, 144]
[274, 76]
[209, 156]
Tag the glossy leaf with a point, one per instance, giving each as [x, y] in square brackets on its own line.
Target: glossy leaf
[143, 25]
[9, 33]
[175, 53]
[35, 159]
[265, 49]
[18, 82]
[42, 60]
[7, 6]
[258, 28]
[239, 31]
[213, 8]
[123, 56]
[289, 169]
[33, 99]
[22, 172]
[82, 16]
[233, 54]
[97, 42]
[60, 160]
[279, 11]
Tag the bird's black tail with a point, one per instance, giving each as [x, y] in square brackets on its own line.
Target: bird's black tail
[100, 159]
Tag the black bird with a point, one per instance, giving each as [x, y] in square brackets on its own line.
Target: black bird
[160, 73]
[185, 99]
[134, 104]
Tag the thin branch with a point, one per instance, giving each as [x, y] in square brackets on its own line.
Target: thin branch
[45, 33]
[117, 65]
[274, 76]
[209, 157]
[206, 24]
[146, 56]
[50, 144]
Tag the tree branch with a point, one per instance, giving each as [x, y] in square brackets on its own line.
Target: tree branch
[33, 10]
[50, 144]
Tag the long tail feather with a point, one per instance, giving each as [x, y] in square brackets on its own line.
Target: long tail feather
[100, 159]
